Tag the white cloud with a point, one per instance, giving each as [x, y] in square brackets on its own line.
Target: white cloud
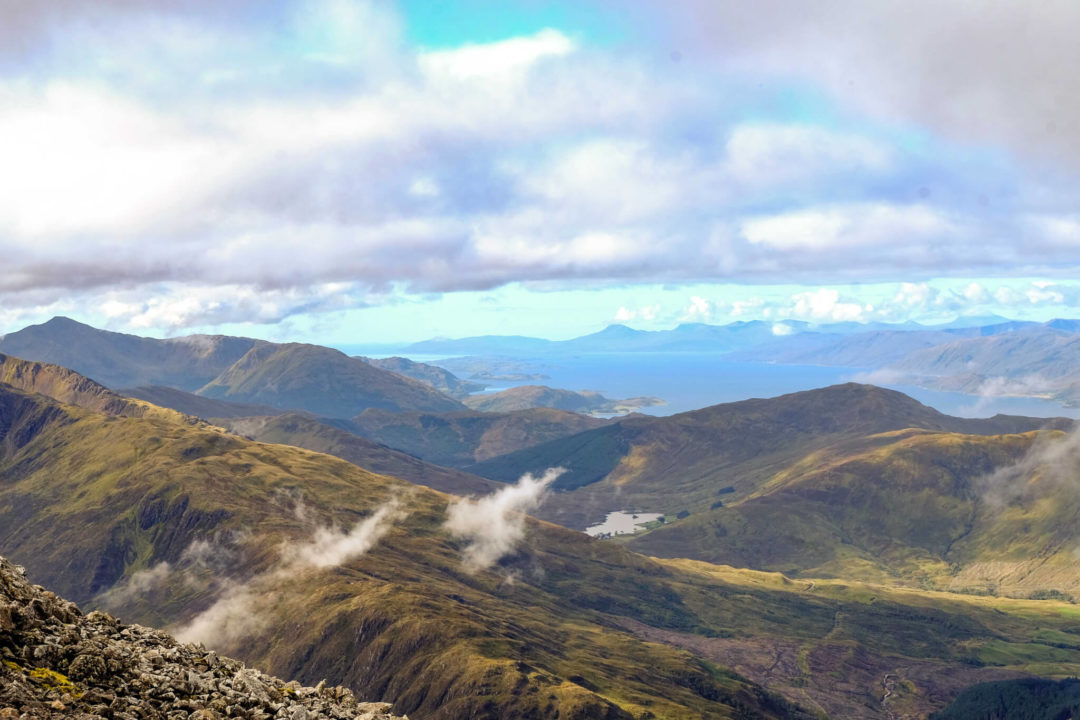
[243, 608]
[494, 525]
[699, 310]
[825, 304]
[849, 226]
[647, 313]
[769, 155]
[780, 329]
[499, 62]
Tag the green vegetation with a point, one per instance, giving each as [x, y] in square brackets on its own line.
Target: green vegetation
[320, 380]
[1025, 699]
[462, 439]
[312, 434]
[95, 504]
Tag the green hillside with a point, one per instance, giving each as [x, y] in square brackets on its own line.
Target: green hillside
[95, 504]
[312, 434]
[682, 462]
[460, 439]
[161, 517]
[118, 360]
[322, 381]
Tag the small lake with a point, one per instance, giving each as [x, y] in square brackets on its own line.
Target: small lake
[621, 523]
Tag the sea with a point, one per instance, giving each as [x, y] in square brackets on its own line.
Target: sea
[689, 381]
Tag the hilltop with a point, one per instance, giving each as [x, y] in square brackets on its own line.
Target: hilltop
[291, 376]
[320, 380]
[847, 481]
[118, 360]
[59, 663]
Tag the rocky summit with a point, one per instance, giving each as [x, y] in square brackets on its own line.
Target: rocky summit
[57, 662]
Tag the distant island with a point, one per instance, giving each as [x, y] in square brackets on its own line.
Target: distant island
[533, 396]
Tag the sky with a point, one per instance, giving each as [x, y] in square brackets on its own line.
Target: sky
[350, 172]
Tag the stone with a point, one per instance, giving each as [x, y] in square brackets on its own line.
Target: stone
[99, 668]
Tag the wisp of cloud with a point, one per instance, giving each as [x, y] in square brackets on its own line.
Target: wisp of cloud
[1052, 461]
[243, 608]
[495, 524]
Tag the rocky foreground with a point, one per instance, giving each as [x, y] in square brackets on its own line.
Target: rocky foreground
[56, 662]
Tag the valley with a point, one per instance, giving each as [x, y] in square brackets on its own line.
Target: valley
[845, 552]
[516, 360]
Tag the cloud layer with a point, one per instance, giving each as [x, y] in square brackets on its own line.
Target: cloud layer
[192, 164]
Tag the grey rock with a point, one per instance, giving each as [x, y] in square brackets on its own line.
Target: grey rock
[59, 663]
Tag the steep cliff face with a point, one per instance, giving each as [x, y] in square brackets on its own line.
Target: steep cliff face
[56, 662]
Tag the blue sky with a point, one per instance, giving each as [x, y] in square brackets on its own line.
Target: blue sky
[346, 171]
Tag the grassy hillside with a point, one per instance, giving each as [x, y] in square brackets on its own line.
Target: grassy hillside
[322, 381]
[682, 462]
[905, 505]
[460, 439]
[158, 517]
[107, 509]
[120, 361]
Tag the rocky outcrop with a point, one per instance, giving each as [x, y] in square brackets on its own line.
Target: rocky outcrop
[56, 662]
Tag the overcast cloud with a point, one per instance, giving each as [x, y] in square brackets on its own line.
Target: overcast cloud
[190, 164]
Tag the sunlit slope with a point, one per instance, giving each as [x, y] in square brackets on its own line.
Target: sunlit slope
[721, 453]
[95, 504]
[858, 650]
[67, 386]
[903, 505]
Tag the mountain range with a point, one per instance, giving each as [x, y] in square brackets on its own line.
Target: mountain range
[169, 521]
[844, 552]
[288, 376]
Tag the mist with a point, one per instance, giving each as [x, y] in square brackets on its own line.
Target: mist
[1052, 461]
[495, 524]
[244, 608]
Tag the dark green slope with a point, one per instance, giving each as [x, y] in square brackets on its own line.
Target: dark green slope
[460, 439]
[192, 404]
[313, 434]
[118, 360]
[322, 381]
